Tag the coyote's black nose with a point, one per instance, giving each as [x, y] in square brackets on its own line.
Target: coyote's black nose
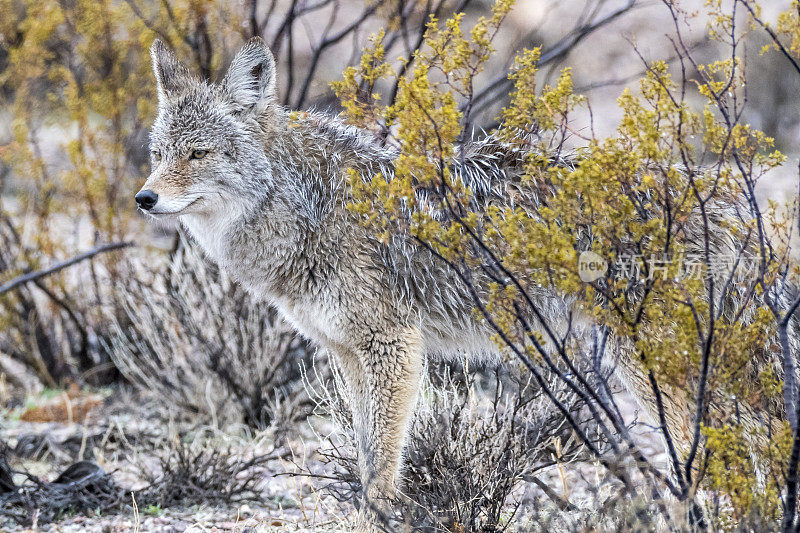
[146, 199]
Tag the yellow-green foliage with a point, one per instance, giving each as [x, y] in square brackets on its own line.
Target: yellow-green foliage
[425, 116]
[648, 165]
[372, 68]
[546, 112]
[730, 470]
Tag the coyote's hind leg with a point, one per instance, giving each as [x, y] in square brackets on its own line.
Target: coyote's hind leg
[383, 376]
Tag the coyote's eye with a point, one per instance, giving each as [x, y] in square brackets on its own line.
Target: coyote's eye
[198, 154]
[156, 155]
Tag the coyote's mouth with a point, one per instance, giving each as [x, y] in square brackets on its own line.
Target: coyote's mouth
[157, 214]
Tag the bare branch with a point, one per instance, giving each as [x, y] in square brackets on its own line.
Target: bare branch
[556, 52]
[39, 274]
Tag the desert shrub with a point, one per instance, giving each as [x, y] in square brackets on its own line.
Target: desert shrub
[470, 450]
[698, 286]
[53, 327]
[476, 440]
[81, 487]
[201, 343]
[27, 332]
[195, 471]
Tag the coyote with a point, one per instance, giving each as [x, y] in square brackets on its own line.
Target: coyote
[263, 192]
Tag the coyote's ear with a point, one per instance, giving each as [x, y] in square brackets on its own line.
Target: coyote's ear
[171, 75]
[250, 80]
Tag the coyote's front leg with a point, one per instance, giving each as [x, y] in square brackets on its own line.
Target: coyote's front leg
[383, 375]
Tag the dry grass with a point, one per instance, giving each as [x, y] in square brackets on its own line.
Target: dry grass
[200, 343]
[477, 439]
[202, 471]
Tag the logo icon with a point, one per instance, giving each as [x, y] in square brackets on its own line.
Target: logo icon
[591, 266]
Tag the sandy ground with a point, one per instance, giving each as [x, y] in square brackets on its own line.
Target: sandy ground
[286, 502]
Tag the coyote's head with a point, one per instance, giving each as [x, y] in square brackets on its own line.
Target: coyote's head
[206, 151]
